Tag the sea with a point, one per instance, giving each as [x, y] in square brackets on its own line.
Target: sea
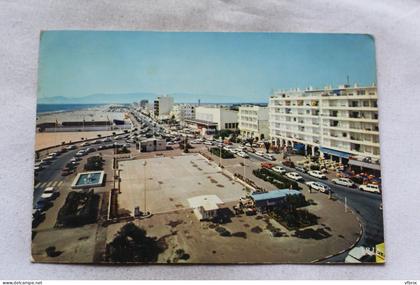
[53, 108]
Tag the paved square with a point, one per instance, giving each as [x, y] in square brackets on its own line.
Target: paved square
[170, 181]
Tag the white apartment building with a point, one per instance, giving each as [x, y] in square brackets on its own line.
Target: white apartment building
[341, 122]
[181, 112]
[253, 122]
[211, 118]
[162, 107]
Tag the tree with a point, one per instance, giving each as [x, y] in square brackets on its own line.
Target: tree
[267, 145]
[131, 244]
[94, 163]
[99, 135]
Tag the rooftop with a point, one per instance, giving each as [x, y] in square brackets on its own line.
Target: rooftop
[208, 202]
[275, 194]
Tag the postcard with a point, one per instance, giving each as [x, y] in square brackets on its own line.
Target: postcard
[207, 148]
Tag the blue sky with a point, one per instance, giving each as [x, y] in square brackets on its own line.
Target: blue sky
[236, 67]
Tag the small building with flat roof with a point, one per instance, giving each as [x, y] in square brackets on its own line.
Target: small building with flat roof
[152, 144]
[205, 207]
[272, 199]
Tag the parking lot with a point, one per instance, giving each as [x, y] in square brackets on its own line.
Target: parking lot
[170, 181]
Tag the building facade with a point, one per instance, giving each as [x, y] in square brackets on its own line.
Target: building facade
[152, 144]
[162, 107]
[222, 118]
[181, 112]
[340, 122]
[253, 122]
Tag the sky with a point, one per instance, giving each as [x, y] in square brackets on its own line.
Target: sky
[235, 67]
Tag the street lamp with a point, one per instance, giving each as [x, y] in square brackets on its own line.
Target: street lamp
[244, 167]
[145, 164]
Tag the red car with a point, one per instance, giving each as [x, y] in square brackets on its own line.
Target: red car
[288, 163]
[267, 165]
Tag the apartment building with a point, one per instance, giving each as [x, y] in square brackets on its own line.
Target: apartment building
[162, 107]
[181, 112]
[339, 122]
[253, 122]
[208, 119]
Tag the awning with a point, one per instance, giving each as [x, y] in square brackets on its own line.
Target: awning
[364, 164]
[335, 152]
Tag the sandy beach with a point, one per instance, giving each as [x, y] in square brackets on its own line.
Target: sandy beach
[44, 140]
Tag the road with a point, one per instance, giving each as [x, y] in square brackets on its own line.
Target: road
[366, 205]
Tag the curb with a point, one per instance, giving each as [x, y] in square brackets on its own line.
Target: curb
[351, 246]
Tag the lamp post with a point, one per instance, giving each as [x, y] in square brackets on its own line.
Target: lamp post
[220, 155]
[244, 167]
[145, 164]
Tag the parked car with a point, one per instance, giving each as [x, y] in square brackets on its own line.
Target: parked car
[294, 176]
[43, 205]
[242, 154]
[80, 153]
[279, 169]
[66, 171]
[317, 174]
[260, 153]
[344, 182]
[37, 217]
[208, 143]
[70, 147]
[49, 193]
[373, 188]
[318, 186]
[300, 168]
[85, 144]
[267, 165]
[269, 156]
[288, 163]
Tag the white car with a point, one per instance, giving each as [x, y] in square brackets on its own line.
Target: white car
[318, 186]
[269, 156]
[370, 188]
[317, 174]
[242, 154]
[49, 193]
[80, 153]
[85, 144]
[279, 169]
[232, 151]
[208, 143]
[343, 182]
[260, 153]
[294, 176]
[70, 147]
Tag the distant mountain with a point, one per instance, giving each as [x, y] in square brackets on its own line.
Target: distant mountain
[126, 98]
[100, 98]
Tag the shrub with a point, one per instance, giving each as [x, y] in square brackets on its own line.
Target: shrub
[256, 229]
[276, 179]
[80, 208]
[94, 163]
[223, 232]
[239, 234]
[131, 244]
[225, 154]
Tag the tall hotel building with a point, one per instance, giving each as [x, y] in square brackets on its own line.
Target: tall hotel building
[340, 122]
[253, 122]
[162, 106]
